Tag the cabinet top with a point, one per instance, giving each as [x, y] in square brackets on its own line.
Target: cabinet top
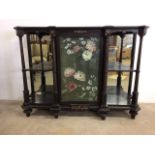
[79, 27]
[106, 30]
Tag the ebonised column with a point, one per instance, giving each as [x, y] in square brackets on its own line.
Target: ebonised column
[30, 65]
[25, 85]
[43, 80]
[119, 79]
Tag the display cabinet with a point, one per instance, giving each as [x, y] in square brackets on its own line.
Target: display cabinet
[81, 68]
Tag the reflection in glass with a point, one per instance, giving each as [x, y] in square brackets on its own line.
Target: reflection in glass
[42, 67]
[115, 98]
[114, 50]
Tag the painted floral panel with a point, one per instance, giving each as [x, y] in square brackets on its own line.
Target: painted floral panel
[79, 68]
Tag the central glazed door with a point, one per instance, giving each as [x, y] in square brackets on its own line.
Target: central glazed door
[78, 61]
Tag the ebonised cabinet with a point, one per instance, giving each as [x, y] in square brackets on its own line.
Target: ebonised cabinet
[81, 68]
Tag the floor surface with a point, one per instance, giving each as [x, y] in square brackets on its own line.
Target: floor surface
[13, 121]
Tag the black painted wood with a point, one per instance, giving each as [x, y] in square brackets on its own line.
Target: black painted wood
[119, 78]
[132, 64]
[43, 80]
[26, 91]
[30, 63]
[50, 97]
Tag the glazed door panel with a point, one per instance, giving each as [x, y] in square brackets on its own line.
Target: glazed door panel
[79, 67]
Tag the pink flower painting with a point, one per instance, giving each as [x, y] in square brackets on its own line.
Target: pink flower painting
[71, 86]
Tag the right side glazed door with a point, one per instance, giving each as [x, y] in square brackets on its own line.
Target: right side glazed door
[120, 68]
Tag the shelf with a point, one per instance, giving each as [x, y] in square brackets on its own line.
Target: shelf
[113, 98]
[42, 42]
[117, 67]
[117, 99]
[46, 97]
[37, 67]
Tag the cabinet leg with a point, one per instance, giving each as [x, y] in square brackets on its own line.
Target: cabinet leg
[103, 116]
[56, 115]
[102, 112]
[28, 112]
[134, 111]
[133, 114]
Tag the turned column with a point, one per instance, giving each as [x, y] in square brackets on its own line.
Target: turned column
[43, 80]
[132, 65]
[54, 63]
[103, 110]
[134, 106]
[119, 78]
[25, 85]
[30, 64]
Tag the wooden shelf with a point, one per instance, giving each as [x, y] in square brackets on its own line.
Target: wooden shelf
[48, 66]
[113, 98]
[117, 67]
[44, 97]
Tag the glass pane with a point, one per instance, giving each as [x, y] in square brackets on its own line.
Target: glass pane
[113, 51]
[43, 77]
[114, 47]
[117, 94]
[43, 93]
[127, 48]
[118, 77]
[36, 53]
[79, 68]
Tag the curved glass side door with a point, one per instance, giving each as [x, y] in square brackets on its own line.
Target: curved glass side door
[119, 69]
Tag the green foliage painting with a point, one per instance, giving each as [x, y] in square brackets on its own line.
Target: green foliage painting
[79, 68]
